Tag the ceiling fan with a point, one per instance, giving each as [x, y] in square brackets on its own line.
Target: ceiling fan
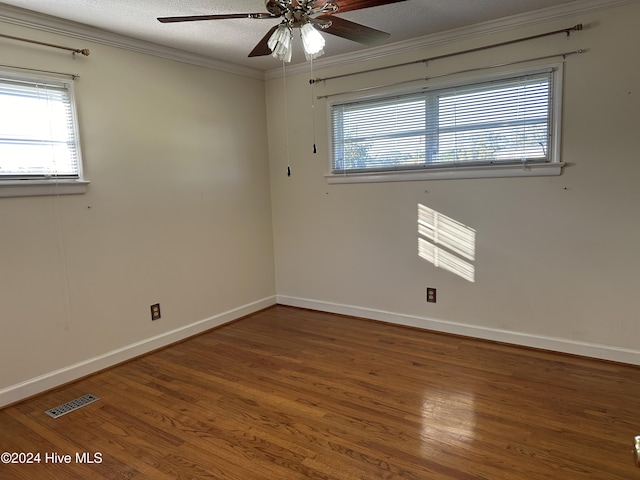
[310, 16]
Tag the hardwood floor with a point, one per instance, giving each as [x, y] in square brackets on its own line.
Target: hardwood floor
[297, 394]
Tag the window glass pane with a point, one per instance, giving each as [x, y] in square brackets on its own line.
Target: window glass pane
[504, 121]
[495, 123]
[380, 134]
[37, 130]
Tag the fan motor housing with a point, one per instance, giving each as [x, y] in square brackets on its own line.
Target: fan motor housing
[276, 7]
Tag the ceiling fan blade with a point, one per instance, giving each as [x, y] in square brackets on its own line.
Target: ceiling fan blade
[348, 5]
[353, 31]
[262, 48]
[224, 16]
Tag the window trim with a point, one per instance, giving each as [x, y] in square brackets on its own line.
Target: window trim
[47, 185]
[552, 167]
[37, 188]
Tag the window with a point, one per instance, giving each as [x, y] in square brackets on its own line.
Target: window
[505, 126]
[39, 147]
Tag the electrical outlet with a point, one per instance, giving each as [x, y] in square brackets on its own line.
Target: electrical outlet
[431, 295]
[155, 311]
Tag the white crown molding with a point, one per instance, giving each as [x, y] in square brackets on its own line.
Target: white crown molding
[46, 23]
[471, 31]
[49, 24]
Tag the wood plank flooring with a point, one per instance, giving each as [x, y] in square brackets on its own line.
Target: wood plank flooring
[296, 394]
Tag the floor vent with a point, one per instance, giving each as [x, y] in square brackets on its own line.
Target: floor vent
[71, 406]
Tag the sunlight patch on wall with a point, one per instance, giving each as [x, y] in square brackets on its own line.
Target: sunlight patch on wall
[446, 243]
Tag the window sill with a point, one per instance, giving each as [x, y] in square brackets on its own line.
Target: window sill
[449, 173]
[34, 188]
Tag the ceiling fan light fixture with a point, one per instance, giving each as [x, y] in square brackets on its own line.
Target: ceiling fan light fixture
[312, 41]
[280, 42]
[310, 16]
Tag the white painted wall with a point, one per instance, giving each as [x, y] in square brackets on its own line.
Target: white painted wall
[178, 212]
[557, 261]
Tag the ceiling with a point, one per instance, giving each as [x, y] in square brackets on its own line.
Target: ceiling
[232, 40]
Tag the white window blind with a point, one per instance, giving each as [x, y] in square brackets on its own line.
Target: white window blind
[503, 121]
[38, 138]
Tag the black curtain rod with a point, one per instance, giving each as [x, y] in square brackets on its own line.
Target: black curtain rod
[566, 31]
[83, 51]
[72, 75]
[426, 79]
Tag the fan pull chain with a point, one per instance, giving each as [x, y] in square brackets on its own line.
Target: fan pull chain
[313, 106]
[286, 116]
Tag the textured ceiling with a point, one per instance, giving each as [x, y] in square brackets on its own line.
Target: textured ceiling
[232, 40]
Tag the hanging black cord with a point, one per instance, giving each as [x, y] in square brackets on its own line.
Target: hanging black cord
[313, 112]
[286, 116]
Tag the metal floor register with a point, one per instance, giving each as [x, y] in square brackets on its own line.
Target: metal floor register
[71, 406]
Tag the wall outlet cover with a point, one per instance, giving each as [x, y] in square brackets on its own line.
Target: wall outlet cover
[431, 295]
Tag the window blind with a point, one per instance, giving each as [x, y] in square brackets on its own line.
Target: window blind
[502, 121]
[37, 130]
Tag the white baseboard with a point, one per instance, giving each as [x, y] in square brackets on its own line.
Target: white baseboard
[28, 388]
[33, 386]
[585, 349]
